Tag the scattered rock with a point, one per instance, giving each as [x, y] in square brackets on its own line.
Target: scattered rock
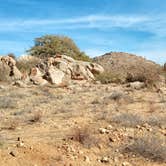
[103, 131]
[13, 153]
[104, 159]
[126, 164]
[86, 159]
[137, 85]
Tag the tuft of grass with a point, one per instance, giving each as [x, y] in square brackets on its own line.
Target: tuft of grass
[84, 136]
[108, 77]
[149, 146]
[128, 119]
[7, 102]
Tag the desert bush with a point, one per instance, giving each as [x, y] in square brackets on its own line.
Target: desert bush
[149, 146]
[128, 119]
[116, 95]
[7, 102]
[84, 136]
[150, 76]
[50, 45]
[108, 77]
[25, 66]
[156, 120]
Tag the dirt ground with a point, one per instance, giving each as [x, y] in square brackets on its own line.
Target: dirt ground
[81, 125]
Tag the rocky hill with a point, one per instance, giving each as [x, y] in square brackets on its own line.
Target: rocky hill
[122, 65]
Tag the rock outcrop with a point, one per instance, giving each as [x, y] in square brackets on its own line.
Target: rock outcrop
[61, 67]
[9, 69]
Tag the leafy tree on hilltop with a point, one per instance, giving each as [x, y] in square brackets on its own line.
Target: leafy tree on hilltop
[50, 45]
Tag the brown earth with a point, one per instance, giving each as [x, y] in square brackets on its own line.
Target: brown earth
[88, 124]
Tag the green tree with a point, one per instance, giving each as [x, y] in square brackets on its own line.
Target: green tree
[50, 45]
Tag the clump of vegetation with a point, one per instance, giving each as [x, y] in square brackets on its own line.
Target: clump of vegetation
[25, 66]
[84, 136]
[128, 119]
[148, 75]
[50, 45]
[7, 102]
[108, 77]
[149, 146]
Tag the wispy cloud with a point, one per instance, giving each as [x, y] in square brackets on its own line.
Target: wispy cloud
[90, 21]
[152, 24]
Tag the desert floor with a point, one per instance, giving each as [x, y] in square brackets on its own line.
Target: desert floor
[88, 124]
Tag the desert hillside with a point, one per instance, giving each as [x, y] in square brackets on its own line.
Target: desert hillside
[56, 112]
[121, 64]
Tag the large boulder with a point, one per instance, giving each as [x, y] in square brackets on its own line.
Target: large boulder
[55, 76]
[37, 77]
[8, 69]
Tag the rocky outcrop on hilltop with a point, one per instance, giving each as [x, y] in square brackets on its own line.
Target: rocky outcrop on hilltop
[61, 67]
[55, 70]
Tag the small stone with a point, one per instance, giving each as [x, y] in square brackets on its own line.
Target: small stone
[20, 144]
[109, 127]
[105, 159]
[112, 139]
[12, 153]
[126, 163]
[103, 131]
[86, 159]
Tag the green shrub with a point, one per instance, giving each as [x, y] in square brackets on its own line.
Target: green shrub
[25, 66]
[107, 77]
[50, 45]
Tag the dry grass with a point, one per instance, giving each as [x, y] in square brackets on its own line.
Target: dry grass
[128, 119]
[84, 136]
[25, 66]
[150, 146]
[108, 77]
[7, 102]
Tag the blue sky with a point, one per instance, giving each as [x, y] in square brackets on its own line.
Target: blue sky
[97, 27]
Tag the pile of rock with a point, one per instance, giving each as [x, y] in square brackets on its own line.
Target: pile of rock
[8, 63]
[60, 68]
[55, 70]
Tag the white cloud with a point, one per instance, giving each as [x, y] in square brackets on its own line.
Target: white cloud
[152, 24]
[89, 21]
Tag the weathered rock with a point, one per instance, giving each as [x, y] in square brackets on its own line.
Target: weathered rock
[37, 77]
[55, 76]
[137, 85]
[20, 84]
[8, 69]
[17, 75]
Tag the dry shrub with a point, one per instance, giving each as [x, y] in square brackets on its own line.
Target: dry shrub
[7, 102]
[26, 65]
[84, 136]
[128, 119]
[11, 124]
[149, 146]
[108, 77]
[150, 76]
[132, 120]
